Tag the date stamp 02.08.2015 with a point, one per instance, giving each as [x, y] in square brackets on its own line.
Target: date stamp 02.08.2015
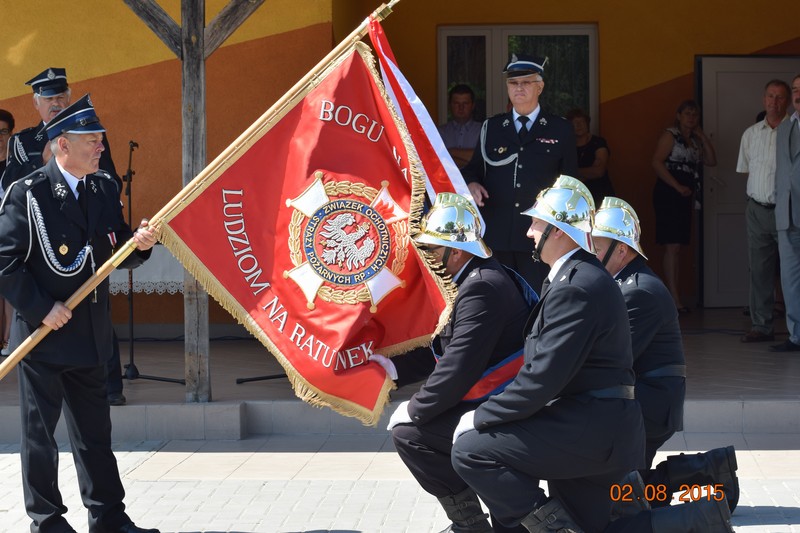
[624, 492]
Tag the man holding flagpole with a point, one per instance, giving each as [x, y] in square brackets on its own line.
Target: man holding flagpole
[519, 154]
[56, 226]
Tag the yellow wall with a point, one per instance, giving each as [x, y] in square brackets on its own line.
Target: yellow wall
[641, 43]
[646, 60]
[96, 38]
[135, 83]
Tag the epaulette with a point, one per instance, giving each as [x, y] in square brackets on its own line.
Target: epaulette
[103, 174]
[26, 130]
[25, 184]
[29, 181]
[633, 279]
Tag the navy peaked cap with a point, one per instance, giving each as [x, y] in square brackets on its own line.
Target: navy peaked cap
[77, 118]
[524, 65]
[50, 82]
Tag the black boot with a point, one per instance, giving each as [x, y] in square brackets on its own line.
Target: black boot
[702, 516]
[710, 468]
[631, 501]
[550, 517]
[465, 511]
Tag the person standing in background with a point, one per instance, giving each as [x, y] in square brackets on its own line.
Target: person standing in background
[460, 134]
[680, 154]
[757, 160]
[519, 154]
[593, 155]
[787, 218]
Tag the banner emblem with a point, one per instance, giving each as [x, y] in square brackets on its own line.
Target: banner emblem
[340, 242]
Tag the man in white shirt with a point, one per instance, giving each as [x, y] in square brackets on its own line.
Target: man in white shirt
[757, 159]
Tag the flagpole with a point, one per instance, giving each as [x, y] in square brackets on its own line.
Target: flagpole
[83, 291]
[197, 185]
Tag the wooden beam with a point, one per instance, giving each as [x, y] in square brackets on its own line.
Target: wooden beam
[225, 23]
[196, 351]
[157, 20]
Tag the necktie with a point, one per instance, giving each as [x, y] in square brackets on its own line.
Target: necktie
[82, 199]
[523, 130]
[545, 285]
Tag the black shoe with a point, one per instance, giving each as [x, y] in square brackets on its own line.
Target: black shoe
[717, 466]
[787, 346]
[757, 336]
[116, 398]
[130, 527]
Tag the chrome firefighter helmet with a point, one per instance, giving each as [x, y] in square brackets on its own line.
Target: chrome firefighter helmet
[567, 205]
[453, 222]
[617, 220]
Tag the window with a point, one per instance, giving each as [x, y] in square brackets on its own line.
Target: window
[476, 55]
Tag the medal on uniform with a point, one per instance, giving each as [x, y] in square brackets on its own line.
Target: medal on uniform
[63, 249]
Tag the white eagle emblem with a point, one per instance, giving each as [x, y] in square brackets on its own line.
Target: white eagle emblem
[341, 246]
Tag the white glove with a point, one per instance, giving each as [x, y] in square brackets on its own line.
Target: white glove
[467, 423]
[400, 416]
[386, 363]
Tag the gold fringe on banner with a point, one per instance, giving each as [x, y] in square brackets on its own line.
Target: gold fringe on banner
[302, 388]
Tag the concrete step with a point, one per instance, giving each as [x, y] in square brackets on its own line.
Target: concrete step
[241, 419]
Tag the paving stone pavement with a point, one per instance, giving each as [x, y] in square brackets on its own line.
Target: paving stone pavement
[347, 484]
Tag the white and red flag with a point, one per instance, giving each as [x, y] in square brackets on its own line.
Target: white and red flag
[302, 231]
[440, 171]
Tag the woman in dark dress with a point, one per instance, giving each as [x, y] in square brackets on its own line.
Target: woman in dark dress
[593, 155]
[680, 155]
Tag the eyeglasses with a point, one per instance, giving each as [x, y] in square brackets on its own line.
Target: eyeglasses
[5, 131]
[520, 83]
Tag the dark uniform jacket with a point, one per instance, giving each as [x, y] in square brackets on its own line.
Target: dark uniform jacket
[513, 173]
[657, 343]
[25, 155]
[42, 231]
[485, 327]
[578, 341]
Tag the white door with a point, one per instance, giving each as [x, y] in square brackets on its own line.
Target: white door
[732, 94]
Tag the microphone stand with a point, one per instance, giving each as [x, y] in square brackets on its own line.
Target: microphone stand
[131, 372]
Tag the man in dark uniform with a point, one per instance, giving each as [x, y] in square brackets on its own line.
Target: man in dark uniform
[56, 226]
[569, 416]
[519, 154]
[475, 355]
[657, 359]
[29, 150]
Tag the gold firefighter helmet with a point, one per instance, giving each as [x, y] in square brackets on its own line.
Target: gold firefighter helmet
[453, 222]
[567, 205]
[617, 220]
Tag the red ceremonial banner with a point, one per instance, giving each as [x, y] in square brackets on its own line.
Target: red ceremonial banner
[303, 234]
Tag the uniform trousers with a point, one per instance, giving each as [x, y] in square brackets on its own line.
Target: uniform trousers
[44, 389]
[789, 242]
[505, 463]
[762, 252]
[662, 409]
[114, 368]
[425, 450]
